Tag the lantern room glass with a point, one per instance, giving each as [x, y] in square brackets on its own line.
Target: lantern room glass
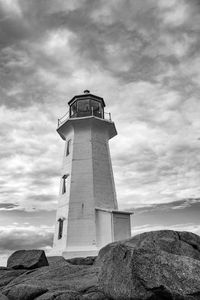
[86, 107]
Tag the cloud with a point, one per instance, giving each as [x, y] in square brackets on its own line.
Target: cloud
[179, 227]
[190, 203]
[25, 237]
[7, 206]
[180, 215]
[143, 58]
[16, 237]
[27, 164]
[174, 13]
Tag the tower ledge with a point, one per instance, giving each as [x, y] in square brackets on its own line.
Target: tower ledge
[72, 121]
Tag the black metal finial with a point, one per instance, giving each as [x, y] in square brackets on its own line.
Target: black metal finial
[86, 92]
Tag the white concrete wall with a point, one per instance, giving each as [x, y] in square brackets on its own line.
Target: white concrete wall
[91, 185]
[81, 229]
[63, 199]
[103, 181]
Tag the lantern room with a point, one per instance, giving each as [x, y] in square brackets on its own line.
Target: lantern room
[86, 105]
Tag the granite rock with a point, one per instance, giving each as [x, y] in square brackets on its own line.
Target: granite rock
[7, 275]
[159, 265]
[27, 259]
[89, 261]
[24, 292]
[60, 276]
[154, 265]
[3, 297]
[67, 295]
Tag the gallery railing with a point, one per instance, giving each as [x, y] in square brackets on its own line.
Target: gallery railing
[63, 119]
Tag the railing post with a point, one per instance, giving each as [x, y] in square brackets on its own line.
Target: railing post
[92, 111]
[110, 116]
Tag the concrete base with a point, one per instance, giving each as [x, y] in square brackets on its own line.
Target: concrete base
[73, 254]
[54, 252]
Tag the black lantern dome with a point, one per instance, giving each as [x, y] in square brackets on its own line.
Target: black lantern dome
[86, 105]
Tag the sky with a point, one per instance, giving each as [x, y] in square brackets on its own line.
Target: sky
[143, 58]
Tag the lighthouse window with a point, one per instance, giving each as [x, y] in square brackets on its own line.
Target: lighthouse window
[74, 107]
[64, 184]
[95, 105]
[96, 108]
[68, 148]
[83, 105]
[60, 228]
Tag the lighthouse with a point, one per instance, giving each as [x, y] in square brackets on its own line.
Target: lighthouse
[87, 215]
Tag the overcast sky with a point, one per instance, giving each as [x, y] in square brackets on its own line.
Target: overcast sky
[142, 57]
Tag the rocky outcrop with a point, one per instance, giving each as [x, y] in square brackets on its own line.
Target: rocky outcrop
[82, 260]
[153, 265]
[24, 292]
[160, 265]
[27, 259]
[64, 295]
[7, 275]
[3, 297]
[60, 280]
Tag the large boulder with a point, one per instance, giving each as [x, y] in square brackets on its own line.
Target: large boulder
[27, 259]
[70, 281]
[154, 265]
[7, 275]
[3, 297]
[160, 265]
[60, 295]
[24, 292]
[88, 261]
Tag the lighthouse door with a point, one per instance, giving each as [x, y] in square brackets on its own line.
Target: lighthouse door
[121, 226]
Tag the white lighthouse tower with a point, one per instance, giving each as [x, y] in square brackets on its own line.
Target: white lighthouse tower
[87, 216]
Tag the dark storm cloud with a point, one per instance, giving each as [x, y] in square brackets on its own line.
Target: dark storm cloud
[192, 204]
[7, 206]
[178, 215]
[109, 42]
[122, 39]
[13, 28]
[21, 31]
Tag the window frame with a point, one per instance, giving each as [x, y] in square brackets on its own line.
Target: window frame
[60, 228]
[64, 185]
[68, 147]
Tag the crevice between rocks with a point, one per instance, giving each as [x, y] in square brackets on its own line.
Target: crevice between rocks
[193, 245]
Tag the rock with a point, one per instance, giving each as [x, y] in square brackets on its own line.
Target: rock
[154, 265]
[61, 277]
[82, 260]
[94, 296]
[160, 265]
[71, 295]
[3, 297]
[7, 275]
[56, 260]
[24, 292]
[48, 296]
[27, 259]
